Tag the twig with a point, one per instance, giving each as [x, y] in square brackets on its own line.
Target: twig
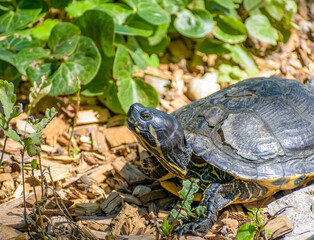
[24, 198]
[73, 124]
[38, 208]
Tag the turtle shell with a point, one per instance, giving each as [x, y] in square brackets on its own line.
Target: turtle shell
[260, 129]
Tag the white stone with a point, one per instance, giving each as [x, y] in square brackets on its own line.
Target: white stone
[202, 87]
[300, 212]
[24, 126]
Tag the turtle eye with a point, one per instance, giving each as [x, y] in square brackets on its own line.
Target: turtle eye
[146, 116]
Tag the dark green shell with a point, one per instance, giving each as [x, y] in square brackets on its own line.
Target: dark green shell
[260, 129]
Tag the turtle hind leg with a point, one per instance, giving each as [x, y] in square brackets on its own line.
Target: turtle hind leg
[218, 195]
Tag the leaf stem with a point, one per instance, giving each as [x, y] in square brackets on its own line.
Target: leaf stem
[4, 144]
[76, 110]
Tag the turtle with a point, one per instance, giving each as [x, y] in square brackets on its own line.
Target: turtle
[245, 142]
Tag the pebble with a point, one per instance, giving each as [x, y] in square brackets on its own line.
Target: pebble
[300, 212]
[202, 87]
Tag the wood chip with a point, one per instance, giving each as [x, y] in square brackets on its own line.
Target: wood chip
[99, 175]
[13, 218]
[128, 222]
[115, 199]
[154, 195]
[99, 224]
[99, 142]
[90, 208]
[118, 136]
[140, 190]
[129, 172]
[11, 145]
[94, 115]
[137, 237]
[158, 73]
[279, 226]
[5, 177]
[179, 102]
[54, 129]
[100, 234]
[8, 233]
[192, 237]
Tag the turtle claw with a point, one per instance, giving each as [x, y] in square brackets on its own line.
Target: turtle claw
[193, 228]
[185, 228]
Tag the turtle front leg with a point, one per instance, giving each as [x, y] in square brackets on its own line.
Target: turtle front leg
[216, 196]
[152, 167]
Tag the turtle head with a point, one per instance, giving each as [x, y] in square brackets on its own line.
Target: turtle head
[162, 135]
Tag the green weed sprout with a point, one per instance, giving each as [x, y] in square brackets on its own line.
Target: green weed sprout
[189, 188]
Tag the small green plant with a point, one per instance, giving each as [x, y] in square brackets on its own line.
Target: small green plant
[31, 140]
[189, 188]
[254, 230]
[103, 43]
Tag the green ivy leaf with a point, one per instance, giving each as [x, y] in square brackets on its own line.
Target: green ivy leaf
[229, 29]
[136, 53]
[211, 46]
[99, 26]
[174, 6]
[123, 65]
[97, 86]
[152, 60]
[275, 8]
[63, 39]
[37, 72]
[11, 20]
[158, 48]
[159, 34]
[77, 8]
[195, 23]
[7, 99]
[241, 56]
[118, 11]
[259, 27]
[84, 64]
[152, 12]
[228, 4]
[42, 32]
[250, 5]
[246, 231]
[136, 90]
[110, 97]
[59, 4]
[132, 31]
[27, 56]
[9, 72]
[16, 43]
